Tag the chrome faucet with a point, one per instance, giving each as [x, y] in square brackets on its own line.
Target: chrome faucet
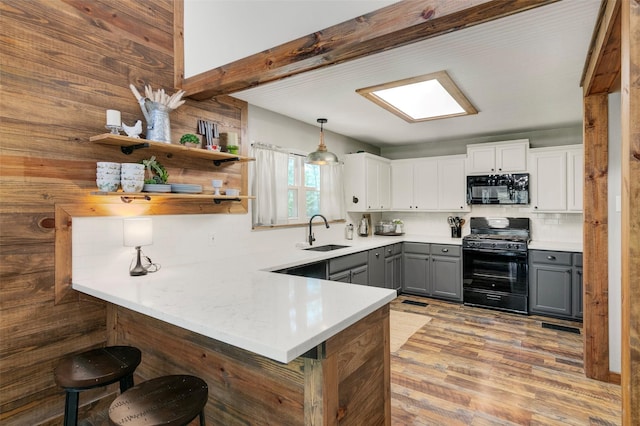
[311, 237]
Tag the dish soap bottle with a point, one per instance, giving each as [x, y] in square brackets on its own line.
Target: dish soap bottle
[363, 229]
[349, 231]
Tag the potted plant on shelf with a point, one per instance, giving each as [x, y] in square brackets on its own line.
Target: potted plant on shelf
[399, 226]
[232, 149]
[158, 174]
[189, 139]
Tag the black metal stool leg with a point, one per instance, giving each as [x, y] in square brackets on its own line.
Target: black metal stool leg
[126, 382]
[71, 408]
[202, 418]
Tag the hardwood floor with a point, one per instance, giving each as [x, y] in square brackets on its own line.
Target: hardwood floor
[473, 366]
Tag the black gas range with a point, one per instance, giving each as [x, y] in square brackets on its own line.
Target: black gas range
[495, 259]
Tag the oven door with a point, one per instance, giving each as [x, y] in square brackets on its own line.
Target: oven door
[495, 271]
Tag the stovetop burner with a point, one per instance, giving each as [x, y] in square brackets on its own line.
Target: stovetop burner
[502, 233]
[498, 237]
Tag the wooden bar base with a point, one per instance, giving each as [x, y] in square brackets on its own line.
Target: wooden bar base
[345, 380]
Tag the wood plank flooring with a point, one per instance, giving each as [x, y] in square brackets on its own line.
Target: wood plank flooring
[473, 366]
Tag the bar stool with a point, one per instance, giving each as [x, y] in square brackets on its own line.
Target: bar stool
[167, 400]
[94, 369]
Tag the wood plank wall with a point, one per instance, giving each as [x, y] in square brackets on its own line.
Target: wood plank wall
[64, 63]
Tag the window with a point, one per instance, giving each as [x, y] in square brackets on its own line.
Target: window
[303, 197]
[288, 191]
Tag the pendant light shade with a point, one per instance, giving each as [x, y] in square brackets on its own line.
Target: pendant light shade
[321, 156]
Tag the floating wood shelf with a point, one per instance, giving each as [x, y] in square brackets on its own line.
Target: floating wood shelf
[130, 196]
[128, 145]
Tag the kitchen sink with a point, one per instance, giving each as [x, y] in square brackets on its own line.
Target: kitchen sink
[327, 247]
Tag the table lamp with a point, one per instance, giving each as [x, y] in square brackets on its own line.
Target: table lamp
[138, 232]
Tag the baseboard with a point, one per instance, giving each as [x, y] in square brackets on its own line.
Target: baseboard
[615, 378]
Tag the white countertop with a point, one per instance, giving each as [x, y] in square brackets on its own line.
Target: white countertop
[274, 315]
[555, 246]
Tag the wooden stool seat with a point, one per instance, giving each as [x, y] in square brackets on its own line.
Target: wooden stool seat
[92, 369]
[167, 400]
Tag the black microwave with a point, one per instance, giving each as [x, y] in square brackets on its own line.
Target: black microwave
[498, 189]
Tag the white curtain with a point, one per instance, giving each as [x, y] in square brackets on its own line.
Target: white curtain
[270, 185]
[332, 192]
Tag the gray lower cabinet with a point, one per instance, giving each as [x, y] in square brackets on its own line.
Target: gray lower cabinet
[433, 270]
[377, 266]
[352, 268]
[577, 303]
[393, 266]
[553, 290]
[446, 272]
[415, 273]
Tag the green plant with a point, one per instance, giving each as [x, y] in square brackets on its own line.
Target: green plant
[158, 173]
[189, 138]
[232, 149]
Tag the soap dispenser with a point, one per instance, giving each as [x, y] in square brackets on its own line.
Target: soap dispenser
[363, 228]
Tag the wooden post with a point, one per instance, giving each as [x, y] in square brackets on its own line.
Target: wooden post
[595, 237]
[630, 82]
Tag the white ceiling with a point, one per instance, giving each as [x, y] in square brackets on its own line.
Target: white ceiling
[521, 72]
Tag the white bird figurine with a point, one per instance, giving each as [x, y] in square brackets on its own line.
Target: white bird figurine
[133, 131]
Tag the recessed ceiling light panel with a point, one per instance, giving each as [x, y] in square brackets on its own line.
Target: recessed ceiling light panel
[427, 97]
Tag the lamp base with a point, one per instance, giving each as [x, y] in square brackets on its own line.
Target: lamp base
[138, 270]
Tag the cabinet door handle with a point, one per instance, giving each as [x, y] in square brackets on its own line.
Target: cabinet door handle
[377, 254]
[551, 257]
[579, 273]
[445, 250]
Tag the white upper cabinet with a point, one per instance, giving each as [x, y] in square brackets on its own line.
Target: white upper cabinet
[452, 184]
[367, 182]
[497, 157]
[575, 178]
[413, 184]
[556, 179]
[429, 184]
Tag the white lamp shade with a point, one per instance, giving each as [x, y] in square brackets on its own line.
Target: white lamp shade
[138, 232]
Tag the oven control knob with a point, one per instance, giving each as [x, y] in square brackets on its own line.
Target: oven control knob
[493, 245]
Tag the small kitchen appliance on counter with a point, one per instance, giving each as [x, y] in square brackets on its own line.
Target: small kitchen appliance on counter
[495, 264]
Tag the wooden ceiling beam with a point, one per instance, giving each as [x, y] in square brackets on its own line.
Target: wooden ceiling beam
[393, 26]
[601, 72]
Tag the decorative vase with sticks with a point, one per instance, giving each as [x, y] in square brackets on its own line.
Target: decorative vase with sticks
[156, 106]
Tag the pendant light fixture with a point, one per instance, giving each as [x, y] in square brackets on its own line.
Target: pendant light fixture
[321, 156]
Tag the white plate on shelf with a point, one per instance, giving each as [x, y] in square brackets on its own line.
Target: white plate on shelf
[183, 188]
[156, 187]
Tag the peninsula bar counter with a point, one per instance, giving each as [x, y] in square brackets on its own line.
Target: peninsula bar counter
[273, 348]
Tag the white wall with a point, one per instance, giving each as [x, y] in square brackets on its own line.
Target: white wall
[217, 32]
[537, 139]
[187, 238]
[614, 229]
[269, 127]
[554, 227]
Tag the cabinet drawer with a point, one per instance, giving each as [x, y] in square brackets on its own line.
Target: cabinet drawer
[445, 250]
[577, 259]
[392, 249]
[348, 262]
[550, 257]
[420, 248]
